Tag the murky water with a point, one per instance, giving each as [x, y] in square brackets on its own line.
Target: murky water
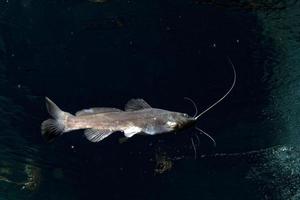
[102, 53]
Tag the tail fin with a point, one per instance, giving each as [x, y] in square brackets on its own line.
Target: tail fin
[52, 128]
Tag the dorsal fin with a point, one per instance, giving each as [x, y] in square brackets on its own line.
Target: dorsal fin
[95, 135]
[92, 111]
[136, 104]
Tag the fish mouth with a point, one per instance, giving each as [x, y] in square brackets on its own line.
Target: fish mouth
[192, 123]
[187, 124]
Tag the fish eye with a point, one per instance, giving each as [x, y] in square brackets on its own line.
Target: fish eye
[185, 115]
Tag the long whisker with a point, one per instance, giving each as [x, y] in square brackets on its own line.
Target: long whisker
[198, 140]
[226, 94]
[194, 104]
[212, 139]
[195, 151]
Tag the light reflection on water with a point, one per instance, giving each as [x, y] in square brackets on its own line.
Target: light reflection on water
[284, 79]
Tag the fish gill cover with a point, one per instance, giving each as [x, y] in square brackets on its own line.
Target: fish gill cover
[86, 54]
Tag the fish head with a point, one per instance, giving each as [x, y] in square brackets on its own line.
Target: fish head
[178, 121]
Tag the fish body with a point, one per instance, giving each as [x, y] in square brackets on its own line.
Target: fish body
[138, 118]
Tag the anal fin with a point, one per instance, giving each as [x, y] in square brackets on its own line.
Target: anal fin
[96, 135]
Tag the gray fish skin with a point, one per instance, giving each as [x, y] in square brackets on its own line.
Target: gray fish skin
[139, 118]
[150, 121]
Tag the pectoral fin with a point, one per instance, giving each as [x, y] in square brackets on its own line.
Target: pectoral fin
[95, 135]
[131, 131]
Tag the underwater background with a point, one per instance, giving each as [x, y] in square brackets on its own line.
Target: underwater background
[97, 53]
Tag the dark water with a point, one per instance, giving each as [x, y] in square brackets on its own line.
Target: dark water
[84, 54]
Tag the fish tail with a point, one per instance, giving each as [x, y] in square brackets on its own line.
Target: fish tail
[52, 128]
